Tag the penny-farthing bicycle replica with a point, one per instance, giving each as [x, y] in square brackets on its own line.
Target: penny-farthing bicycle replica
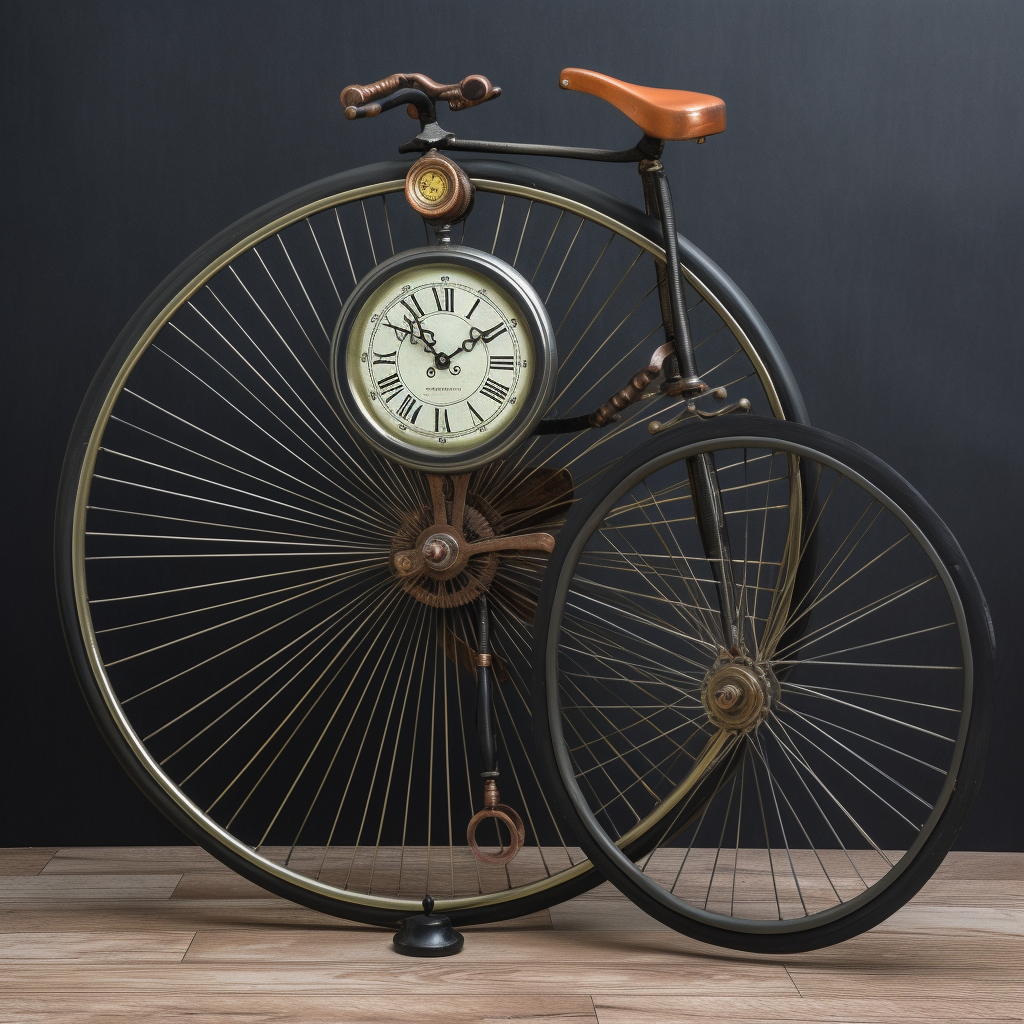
[453, 527]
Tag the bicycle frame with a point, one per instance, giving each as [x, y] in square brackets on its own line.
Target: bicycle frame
[676, 358]
[681, 376]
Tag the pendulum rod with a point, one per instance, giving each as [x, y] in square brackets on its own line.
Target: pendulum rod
[485, 694]
[486, 734]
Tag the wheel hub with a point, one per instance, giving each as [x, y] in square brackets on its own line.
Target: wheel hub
[447, 577]
[738, 693]
[447, 553]
[440, 551]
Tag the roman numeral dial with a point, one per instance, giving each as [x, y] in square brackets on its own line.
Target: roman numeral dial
[440, 360]
[494, 391]
[449, 345]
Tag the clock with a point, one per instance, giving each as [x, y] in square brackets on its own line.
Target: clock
[438, 189]
[432, 186]
[443, 358]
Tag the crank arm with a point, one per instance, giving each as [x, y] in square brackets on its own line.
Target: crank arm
[413, 560]
[514, 542]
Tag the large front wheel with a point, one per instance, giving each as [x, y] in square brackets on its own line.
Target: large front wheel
[801, 784]
[224, 544]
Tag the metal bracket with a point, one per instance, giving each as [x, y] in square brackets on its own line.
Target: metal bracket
[633, 391]
[692, 412]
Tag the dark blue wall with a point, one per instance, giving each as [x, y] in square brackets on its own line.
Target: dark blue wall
[866, 196]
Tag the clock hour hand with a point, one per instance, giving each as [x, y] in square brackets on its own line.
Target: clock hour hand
[475, 335]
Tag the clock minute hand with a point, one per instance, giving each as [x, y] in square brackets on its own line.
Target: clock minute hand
[417, 333]
[413, 335]
[401, 332]
[441, 361]
[420, 333]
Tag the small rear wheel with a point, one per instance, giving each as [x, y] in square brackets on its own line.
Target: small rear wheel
[805, 784]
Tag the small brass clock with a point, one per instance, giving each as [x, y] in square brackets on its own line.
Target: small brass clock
[443, 358]
[438, 189]
[432, 185]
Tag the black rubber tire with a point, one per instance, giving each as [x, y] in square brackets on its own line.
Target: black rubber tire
[596, 843]
[115, 362]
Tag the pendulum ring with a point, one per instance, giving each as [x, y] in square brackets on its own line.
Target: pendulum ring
[507, 816]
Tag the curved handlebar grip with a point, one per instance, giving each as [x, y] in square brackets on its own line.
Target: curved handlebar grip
[418, 103]
[473, 89]
[356, 95]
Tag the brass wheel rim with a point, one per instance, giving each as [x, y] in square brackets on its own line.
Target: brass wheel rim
[86, 475]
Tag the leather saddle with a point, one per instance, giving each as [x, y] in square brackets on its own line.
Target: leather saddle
[670, 114]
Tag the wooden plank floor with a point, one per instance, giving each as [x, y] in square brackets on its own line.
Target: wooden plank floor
[169, 934]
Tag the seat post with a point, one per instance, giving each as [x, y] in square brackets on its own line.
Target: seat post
[658, 198]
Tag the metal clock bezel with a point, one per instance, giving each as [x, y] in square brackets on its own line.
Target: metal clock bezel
[533, 404]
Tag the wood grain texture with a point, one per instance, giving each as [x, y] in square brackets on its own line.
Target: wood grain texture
[532, 922]
[159, 915]
[393, 975]
[727, 1009]
[603, 915]
[963, 864]
[964, 920]
[972, 892]
[95, 935]
[87, 887]
[966, 984]
[25, 860]
[133, 860]
[593, 949]
[218, 885]
[263, 1008]
[103, 947]
[162, 915]
[877, 949]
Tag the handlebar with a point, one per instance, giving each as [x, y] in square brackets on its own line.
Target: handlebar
[370, 100]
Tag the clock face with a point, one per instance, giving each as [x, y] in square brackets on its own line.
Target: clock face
[441, 358]
[433, 186]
